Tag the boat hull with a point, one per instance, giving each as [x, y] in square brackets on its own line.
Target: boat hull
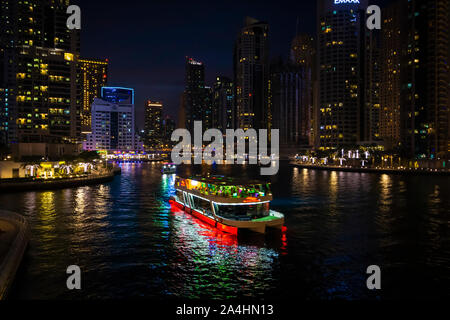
[233, 226]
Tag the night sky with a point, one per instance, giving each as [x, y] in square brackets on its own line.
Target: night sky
[147, 41]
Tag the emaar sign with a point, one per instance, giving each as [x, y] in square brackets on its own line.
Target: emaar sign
[346, 1]
[373, 13]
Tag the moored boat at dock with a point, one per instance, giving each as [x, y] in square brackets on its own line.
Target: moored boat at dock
[169, 168]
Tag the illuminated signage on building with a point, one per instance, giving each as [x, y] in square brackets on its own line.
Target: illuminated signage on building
[345, 1]
[195, 63]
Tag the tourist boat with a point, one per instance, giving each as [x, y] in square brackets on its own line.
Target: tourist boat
[169, 168]
[228, 204]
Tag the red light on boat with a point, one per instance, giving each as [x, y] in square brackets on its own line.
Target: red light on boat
[204, 219]
[251, 199]
[284, 229]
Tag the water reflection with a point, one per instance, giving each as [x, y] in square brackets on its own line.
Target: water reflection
[46, 209]
[130, 243]
[385, 192]
[222, 267]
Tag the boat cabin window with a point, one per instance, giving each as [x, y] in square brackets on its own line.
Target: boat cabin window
[180, 195]
[243, 212]
[201, 205]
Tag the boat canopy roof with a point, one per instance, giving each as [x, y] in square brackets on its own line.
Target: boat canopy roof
[224, 181]
[220, 186]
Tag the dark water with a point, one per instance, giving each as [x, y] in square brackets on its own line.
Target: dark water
[129, 243]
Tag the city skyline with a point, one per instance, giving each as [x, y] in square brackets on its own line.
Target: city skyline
[325, 97]
[154, 63]
[249, 154]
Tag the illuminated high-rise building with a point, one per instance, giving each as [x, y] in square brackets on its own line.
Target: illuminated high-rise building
[416, 77]
[113, 122]
[425, 74]
[93, 75]
[369, 127]
[251, 75]
[390, 75]
[290, 95]
[341, 69]
[302, 50]
[169, 127]
[207, 110]
[39, 55]
[303, 55]
[153, 123]
[4, 116]
[194, 92]
[223, 104]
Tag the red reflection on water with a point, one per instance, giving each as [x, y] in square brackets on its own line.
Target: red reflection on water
[206, 230]
[284, 241]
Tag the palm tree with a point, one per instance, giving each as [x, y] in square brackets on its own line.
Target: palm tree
[32, 165]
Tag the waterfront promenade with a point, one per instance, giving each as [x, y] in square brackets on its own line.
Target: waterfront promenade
[20, 185]
[14, 238]
[379, 170]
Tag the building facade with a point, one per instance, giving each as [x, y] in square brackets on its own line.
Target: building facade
[4, 116]
[340, 69]
[113, 122]
[417, 92]
[390, 75]
[169, 127]
[291, 98]
[424, 116]
[194, 92]
[223, 104]
[369, 129]
[93, 75]
[303, 56]
[39, 55]
[153, 124]
[251, 75]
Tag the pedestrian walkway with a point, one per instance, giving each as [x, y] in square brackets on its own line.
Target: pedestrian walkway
[14, 238]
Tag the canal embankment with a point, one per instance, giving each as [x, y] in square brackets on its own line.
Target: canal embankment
[14, 237]
[26, 184]
[405, 171]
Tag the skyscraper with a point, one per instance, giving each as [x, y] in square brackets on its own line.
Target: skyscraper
[207, 110]
[39, 56]
[223, 102]
[153, 123]
[194, 92]
[4, 116]
[425, 79]
[251, 75]
[369, 131]
[290, 96]
[169, 127]
[93, 75]
[181, 121]
[302, 50]
[303, 55]
[390, 89]
[113, 122]
[340, 68]
[417, 47]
